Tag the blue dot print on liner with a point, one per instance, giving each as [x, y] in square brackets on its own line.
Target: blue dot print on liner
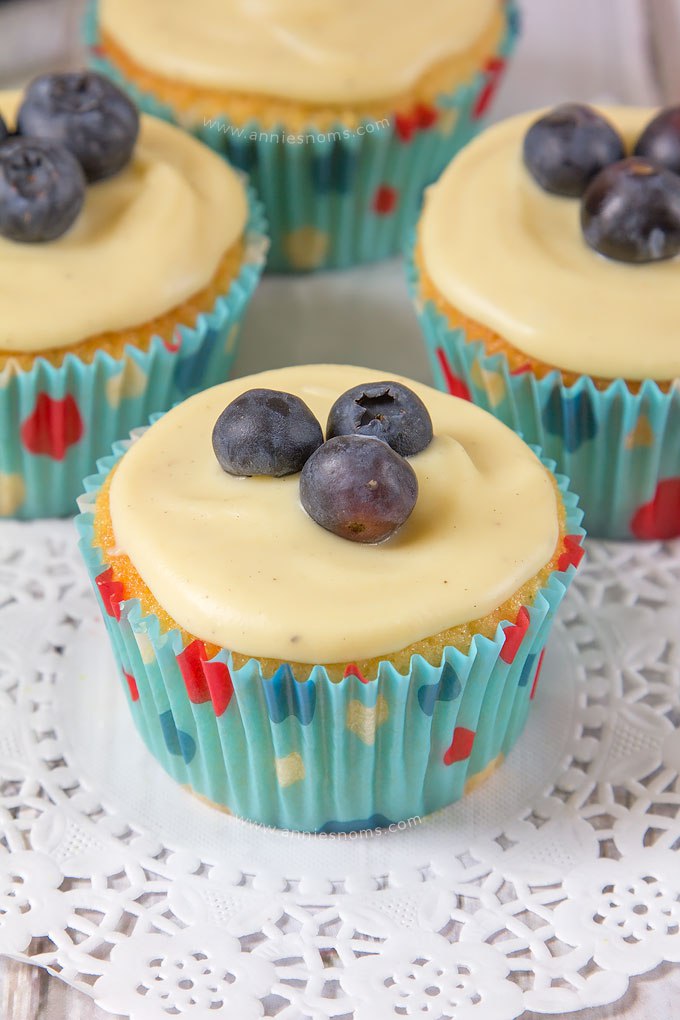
[177, 741]
[527, 669]
[515, 20]
[448, 689]
[334, 170]
[357, 824]
[243, 154]
[573, 418]
[285, 696]
[190, 371]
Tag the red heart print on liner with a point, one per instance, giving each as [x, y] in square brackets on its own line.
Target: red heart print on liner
[514, 635]
[461, 745]
[205, 681]
[53, 427]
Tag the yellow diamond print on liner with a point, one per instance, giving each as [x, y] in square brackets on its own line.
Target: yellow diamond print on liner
[491, 382]
[641, 435]
[10, 369]
[477, 778]
[306, 247]
[257, 248]
[129, 382]
[232, 337]
[447, 121]
[363, 720]
[290, 769]
[206, 800]
[12, 494]
[146, 651]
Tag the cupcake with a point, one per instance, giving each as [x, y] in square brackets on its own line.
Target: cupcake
[340, 116]
[328, 635]
[128, 253]
[545, 273]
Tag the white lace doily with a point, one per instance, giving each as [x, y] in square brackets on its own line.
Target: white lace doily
[546, 889]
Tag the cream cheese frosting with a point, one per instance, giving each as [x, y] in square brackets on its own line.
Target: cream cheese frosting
[238, 563]
[146, 240]
[311, 50]
[512, 257]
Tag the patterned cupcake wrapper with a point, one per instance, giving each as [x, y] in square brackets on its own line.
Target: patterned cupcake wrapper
[620, 450]
[56, 422]
[344, 197]
[318, 755]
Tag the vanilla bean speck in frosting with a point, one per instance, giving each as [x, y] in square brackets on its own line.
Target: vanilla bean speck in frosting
[336, 51]
[512, 257]
[146, 240]
[237, 562]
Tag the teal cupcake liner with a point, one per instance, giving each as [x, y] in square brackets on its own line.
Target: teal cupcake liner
[620, 450]
[320, 756]
[343, 197]
[56, 422]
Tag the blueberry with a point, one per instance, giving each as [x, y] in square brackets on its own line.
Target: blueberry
[384, 410]
[3, 129]
[265, 432]
[566, 148]
[660, 141]
[42, 189]
[358, 488]
[85, 112]
[631, 212]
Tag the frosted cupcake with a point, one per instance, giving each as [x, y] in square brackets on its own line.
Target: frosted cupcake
[350, 642]
[340, 117]
[546, 276]
[128, 252]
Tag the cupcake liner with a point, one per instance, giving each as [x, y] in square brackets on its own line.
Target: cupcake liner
[56, 422]
[620, 450]
[342, 197]
[316, 755]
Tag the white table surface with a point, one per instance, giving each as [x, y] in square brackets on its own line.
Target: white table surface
[616, 50]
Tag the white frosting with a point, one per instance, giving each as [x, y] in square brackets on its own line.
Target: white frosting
[315, 50]
[237, 562]
[146, 240]
[509, 255]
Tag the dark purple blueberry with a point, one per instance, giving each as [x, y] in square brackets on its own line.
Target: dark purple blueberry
[3, 129]
[631, 212]
[42, 189]
[85, 112]
[660, 141]
[566, 148]
[265, 432]
[384, 410]
[358, 488]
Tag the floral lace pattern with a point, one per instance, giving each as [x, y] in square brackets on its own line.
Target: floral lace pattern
[547, 889]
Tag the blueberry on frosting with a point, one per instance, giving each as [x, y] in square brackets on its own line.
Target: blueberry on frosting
[265, 432]
[631, 212]
[42, 189]
[660, 141]
[85, 112]
[358, 483]
[358, 488]
[567, 147]
[385, 410]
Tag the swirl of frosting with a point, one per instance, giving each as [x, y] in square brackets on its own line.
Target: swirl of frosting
[512, 257]
[237, 562]
[317, 50]
[146, 240]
